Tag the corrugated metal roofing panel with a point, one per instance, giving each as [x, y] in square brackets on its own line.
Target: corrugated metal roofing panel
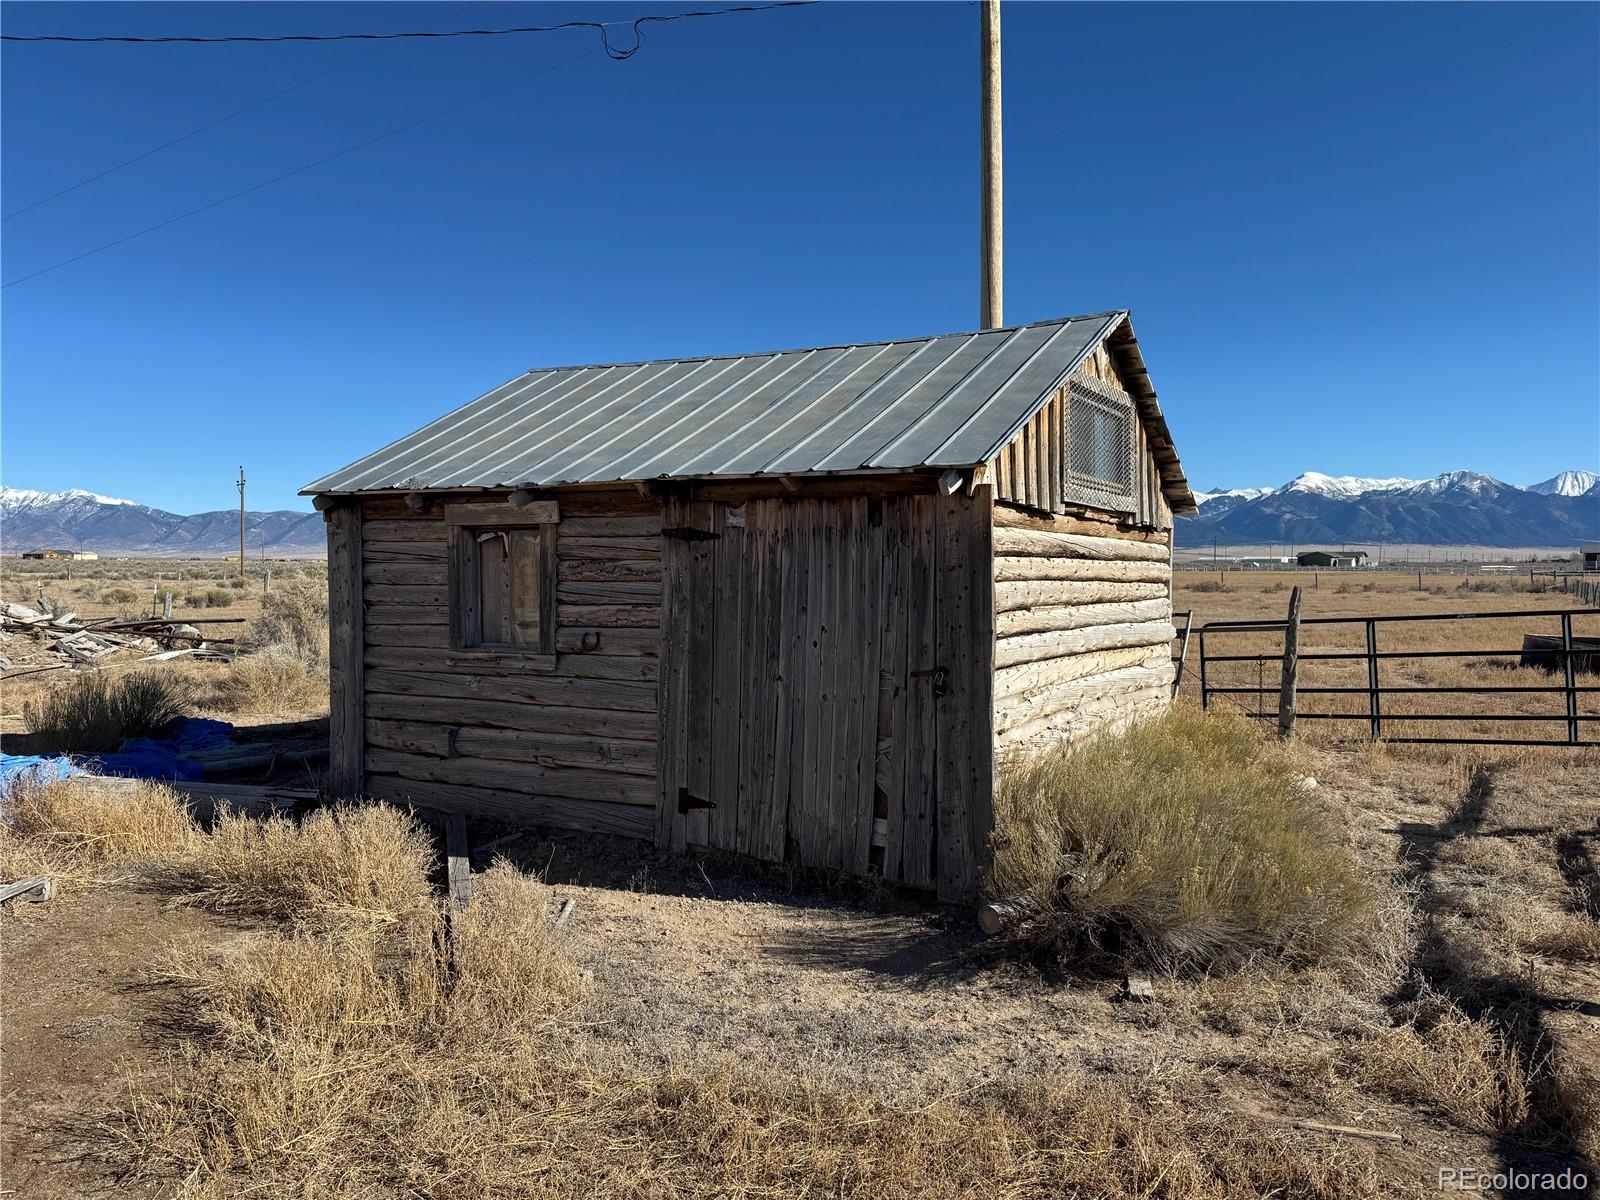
[945, 401]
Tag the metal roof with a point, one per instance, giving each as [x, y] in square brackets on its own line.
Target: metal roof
[946, 401]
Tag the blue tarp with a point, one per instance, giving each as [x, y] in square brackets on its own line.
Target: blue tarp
[157, 758]
[138, 758]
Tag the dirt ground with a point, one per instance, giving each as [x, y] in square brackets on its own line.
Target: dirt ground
[700, 960]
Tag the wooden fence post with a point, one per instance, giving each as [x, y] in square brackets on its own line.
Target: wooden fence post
[1291, 666]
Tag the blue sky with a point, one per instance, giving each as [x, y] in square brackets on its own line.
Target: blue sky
[1356, 238]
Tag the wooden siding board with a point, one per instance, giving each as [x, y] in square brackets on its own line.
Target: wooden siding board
[347, 683]
[965, 725]
[732, 565]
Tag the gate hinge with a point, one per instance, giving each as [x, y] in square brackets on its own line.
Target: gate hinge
[687, 802]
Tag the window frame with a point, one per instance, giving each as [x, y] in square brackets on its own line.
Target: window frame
[466, 522]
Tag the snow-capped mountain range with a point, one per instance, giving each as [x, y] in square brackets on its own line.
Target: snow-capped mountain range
[78, 519]
[1456, 508]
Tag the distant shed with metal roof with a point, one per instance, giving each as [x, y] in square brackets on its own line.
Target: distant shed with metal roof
[794, 605]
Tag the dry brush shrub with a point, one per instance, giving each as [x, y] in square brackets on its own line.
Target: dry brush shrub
[367, 863]
[93, 713]
[71, 829]
[288, 668]
[1184, 842]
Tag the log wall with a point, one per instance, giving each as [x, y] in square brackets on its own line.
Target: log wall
[1083, 627]
[569, 741]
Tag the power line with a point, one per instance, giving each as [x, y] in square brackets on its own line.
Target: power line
[256, 187]
[219, 121]
[612, 50]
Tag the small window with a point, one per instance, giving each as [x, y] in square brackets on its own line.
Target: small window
[502, 586]
[1100, 447]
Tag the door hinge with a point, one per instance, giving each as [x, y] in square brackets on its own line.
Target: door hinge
[687, 802]
[688, 534]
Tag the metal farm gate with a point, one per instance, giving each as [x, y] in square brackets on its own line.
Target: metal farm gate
[1383, 705]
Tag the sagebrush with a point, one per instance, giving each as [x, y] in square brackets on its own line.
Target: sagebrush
[94, 712]
[1184, 842]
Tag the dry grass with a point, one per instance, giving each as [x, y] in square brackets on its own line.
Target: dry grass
[70, 831]
[363, 863]
[1182, 842]
[353, 1057]
[94, 713]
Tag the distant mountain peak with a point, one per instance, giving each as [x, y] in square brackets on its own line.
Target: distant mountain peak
[1566, 483]
[1455, 508]
[80, 519]
[11, 497]
[1344, 487]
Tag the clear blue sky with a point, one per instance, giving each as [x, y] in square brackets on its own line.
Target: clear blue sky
[1356, 238]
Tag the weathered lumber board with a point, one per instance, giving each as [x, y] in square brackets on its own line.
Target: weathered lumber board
[630, 570]
[376, 532]
[557, 750]
[1078, 616]
[1032, 568]
[1029, 647]
[403, 595]
[626, 820]
[435, 637]
[1011, 596]
[647, 526]
[534, 718]
[612, 616]
[413, 574]
[458, 662]
[347, 687]
[1008, 541]
[611, 591]
[409, 614]
[966, 649]
[608, 549]
[516, 686]
[572, 783]
[406, 552]
[574, 640]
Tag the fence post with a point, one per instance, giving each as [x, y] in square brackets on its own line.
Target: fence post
[1571, 678]
[166, 607]
[1291, 666]
[1205, 694]
[1374, 711]
[1183, 653]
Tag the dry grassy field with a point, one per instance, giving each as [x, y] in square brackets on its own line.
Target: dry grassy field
[280, 1009]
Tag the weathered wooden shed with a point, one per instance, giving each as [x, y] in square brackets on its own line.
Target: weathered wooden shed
[793, 605]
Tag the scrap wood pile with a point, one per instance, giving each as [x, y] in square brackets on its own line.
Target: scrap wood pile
[44, 641]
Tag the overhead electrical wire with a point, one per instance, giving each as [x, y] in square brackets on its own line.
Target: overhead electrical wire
[209, 125]
[612, 50]
[607, 47]
[327, 158]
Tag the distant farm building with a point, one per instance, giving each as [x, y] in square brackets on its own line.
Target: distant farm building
[1589, 556]
[1331, 558]
[78, 555]
[791, 605]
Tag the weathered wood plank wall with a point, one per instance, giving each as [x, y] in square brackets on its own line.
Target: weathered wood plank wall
[346, 688]
[573, 745]
[825, 683]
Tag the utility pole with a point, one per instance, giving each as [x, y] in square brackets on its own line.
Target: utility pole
[241, 522]
[993, 301]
